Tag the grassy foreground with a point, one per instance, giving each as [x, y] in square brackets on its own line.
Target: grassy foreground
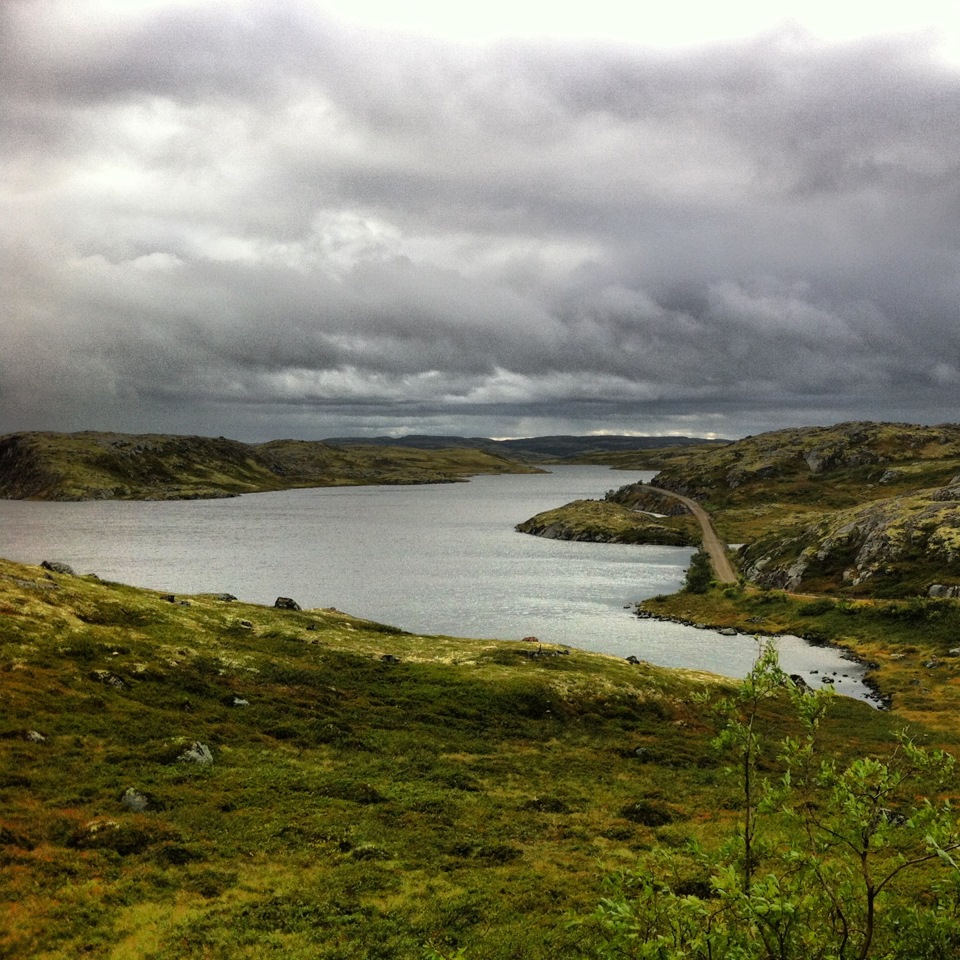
[198, 777]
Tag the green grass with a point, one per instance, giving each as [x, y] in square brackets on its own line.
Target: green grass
[601, 521]
[470, 795]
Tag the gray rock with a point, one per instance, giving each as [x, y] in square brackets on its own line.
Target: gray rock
[36, 584]
[198, 753]
[285, 603]
[941, 590]
[31, 736]
[134, 800]
[107, 678]
[727, 632]
[225, 597]
[56, 566]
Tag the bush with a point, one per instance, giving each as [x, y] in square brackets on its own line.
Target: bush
[815, 608]
[814, 867]
[699, 573]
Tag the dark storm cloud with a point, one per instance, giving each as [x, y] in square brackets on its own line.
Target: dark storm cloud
[251, 219]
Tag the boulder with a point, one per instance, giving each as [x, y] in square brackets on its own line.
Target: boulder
[56, 566]
[135, 800]
[198, 753]
[285, 603]
[107, 678]
[941, 590]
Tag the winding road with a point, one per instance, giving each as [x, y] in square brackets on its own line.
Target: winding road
[714, 546]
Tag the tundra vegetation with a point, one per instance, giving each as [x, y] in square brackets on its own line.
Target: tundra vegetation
[199, 777]
[116, 466]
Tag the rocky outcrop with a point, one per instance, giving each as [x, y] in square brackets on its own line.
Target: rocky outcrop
[598, 521]
[871, 452]
[900, 536]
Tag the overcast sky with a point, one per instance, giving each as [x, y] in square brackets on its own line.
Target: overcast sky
[295, 219]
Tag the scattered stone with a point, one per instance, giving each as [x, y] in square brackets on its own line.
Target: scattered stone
[198, 753]
[238, 702]
[245, 624]
[941, 590]
[31, 736]
[827, 679]
[135, 800]
[933, 663]
[727, 632]
[389, 658]
[36, 584]
[56, 566]
[107, 678]
[530, 640]
[632, 659]
[954, 651]
[285, 603]
[799, 682]
[225, 597]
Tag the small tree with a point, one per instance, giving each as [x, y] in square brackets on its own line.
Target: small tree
[837, 843]
[699, 574]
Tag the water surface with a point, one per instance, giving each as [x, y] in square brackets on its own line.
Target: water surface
[439, 559]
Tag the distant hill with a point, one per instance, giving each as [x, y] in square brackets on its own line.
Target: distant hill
[116, 466]
[558, 447]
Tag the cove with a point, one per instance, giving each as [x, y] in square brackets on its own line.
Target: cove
[435, 559]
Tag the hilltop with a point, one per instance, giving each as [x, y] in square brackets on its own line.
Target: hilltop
[580, 449]
[867, 508]
[115, 466]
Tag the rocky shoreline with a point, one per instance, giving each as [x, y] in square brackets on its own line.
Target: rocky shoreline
[881, 700]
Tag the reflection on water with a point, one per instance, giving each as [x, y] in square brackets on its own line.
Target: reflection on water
[430, 559]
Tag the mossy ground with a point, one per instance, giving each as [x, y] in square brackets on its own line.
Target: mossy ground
[605, 522]
[469, 794]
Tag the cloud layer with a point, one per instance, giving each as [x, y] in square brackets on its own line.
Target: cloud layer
[253, 220]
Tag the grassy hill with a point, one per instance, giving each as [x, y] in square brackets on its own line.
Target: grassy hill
[868, 509]
[197, 777]
[602, 521]
[602, 448]
[99, 466]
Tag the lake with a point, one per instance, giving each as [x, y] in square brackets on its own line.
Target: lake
[436, 559]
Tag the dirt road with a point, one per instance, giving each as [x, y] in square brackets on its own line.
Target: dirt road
[715, 547]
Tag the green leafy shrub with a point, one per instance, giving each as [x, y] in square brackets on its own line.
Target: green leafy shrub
[815, 866]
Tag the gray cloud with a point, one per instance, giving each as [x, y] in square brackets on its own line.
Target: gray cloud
[253, 220]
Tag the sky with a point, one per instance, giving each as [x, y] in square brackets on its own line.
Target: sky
[303, 219]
